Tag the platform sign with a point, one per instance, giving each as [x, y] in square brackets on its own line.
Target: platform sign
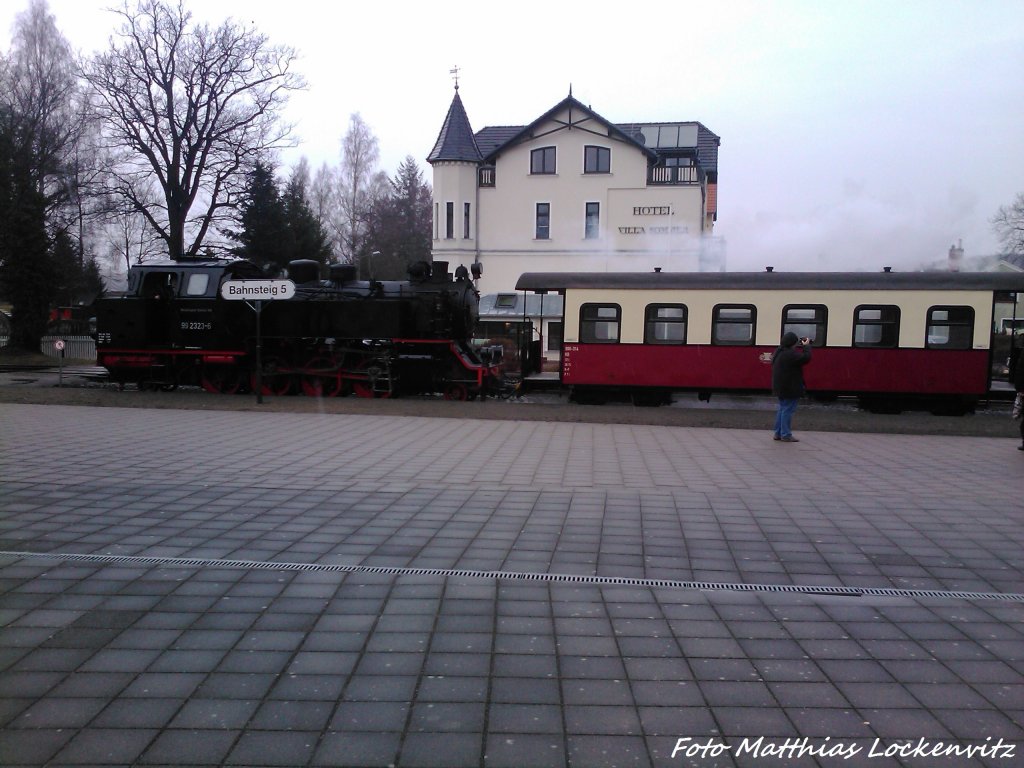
[257, 290]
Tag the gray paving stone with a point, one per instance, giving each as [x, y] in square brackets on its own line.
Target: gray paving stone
[159, 664]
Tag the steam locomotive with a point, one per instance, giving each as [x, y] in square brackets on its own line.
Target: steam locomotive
[333, 337]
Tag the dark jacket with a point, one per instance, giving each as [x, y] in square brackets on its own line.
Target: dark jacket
[788, 368]
[1018, 372]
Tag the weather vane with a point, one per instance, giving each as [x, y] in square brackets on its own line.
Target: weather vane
[454, 72]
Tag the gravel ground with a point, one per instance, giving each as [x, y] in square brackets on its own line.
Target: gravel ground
[81, 387]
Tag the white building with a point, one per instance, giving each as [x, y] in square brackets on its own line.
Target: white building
[573, 192]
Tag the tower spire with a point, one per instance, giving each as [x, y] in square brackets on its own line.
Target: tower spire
[454, 72]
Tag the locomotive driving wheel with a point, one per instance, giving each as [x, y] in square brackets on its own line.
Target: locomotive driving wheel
[322, 378]
[222, 379]
[378, 378]
[276, 381]
[456, 391]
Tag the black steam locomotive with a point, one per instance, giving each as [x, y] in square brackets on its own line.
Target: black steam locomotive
[333, 337]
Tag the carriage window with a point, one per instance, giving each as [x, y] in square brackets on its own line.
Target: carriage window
[876, 326]
[733, 324]
[950, 328]
[197, 284]
[599, 323]
[808, 321]
[666, 324]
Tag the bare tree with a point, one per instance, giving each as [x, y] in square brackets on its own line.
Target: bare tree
[41, 87]
[192, 108]
[322, 202]
[359, 181]
[1009, 225]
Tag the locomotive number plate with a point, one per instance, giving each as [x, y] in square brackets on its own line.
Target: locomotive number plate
[194, 326]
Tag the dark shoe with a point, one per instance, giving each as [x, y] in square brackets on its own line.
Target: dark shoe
[792, 439]
[1019, 447]
[779, 437]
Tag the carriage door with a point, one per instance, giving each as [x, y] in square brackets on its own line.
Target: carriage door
[159, 292]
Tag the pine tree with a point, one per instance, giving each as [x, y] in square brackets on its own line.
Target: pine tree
[264, 238]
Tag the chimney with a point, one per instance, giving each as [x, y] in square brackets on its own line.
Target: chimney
[956, 256]
[769, 269]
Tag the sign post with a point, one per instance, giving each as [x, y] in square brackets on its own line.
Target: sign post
[257, 291]
[59, 346]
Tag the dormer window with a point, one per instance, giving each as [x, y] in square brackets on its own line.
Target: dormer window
[542, 160]
[597, 160]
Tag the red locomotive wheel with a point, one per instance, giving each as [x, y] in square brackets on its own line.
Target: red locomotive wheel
[275, 382]
[456, 392]
[221, 379]
[322, 384]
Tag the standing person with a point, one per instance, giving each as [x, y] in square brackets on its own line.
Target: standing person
[788, 381]
[1018, 384]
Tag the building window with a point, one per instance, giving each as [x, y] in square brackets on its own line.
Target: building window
[593, 228]
[437, 221]
[465, 221]
[554, 342]
[505, 301]
[876, 326]
[806, 321]
[542, 160]
[665, 324]
[543, 230]
[449, 221]
[733, 324]
[950, 328]
[597, 160]
[599, 323]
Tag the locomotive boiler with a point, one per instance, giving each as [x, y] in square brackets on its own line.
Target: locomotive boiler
[335, 336]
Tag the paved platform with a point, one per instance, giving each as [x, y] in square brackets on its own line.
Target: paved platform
[216, 588]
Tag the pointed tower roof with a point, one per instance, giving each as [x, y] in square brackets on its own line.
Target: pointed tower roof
[455, 142]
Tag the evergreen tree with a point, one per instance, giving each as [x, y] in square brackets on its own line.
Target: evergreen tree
[27, 274]
[308, 238]
[399, 227]
[264, 238]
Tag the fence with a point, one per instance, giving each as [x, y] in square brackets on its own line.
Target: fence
[75, 347]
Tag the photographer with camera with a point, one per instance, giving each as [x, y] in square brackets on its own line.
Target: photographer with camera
[788, 363]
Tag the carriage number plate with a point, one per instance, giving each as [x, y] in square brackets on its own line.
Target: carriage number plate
[186, 326]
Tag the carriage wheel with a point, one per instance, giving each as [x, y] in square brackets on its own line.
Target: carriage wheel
[221, 379]
[378, 379]
[456, 392]
[274, 382]
[322, 384]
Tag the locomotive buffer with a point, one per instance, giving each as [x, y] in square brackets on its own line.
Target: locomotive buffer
[254, 293]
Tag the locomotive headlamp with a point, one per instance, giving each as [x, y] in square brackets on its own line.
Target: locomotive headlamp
[477, 269]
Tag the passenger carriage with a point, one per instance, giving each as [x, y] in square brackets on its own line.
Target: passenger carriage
[892, 339]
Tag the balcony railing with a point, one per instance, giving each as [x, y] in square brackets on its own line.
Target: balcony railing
[486, 176]
[661, 174]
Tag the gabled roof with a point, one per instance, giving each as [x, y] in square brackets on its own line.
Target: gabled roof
[456, 141]
[514, 135]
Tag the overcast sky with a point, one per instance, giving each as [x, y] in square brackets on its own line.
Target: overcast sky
[854, 134]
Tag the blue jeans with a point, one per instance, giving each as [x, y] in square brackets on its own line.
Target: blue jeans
[784, 416]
